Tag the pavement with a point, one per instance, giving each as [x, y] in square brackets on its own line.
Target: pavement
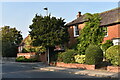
[97, 73]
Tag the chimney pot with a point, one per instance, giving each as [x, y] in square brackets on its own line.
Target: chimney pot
[79, 14]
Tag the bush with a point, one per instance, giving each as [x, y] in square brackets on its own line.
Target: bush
[106, 45]
[38, 49]
[60, 56]
[113, 55]
[94, 55]
[23, 59]
[68, 56]
[20, 58]
[79, 58]
[24, 50]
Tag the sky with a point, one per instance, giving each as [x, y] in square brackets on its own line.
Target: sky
[20, 14]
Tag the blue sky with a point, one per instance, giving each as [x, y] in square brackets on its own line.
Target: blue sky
[20, 14]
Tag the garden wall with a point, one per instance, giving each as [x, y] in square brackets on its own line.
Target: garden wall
[42, 57]
[113, 68]
[27, 55]
[74, 65]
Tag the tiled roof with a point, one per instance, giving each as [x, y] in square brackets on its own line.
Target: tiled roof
[108, 17]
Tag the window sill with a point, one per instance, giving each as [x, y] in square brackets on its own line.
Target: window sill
[106, 36]
[76, 35]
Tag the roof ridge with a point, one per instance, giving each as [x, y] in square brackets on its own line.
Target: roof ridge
[109, 10]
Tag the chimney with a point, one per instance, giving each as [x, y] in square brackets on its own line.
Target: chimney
[79, 14]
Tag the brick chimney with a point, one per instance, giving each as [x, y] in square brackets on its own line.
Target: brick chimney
[79, 14]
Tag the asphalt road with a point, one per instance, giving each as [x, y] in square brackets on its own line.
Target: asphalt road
[25, 70]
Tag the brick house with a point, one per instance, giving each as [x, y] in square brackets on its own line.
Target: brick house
[110, 21]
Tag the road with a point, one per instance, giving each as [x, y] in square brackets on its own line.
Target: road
[25, 70]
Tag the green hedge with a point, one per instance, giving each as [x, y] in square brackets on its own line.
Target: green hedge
[106, 45]
[94, 55]
[23, 59]
[113, 55]
[60, 56]
[68, 56]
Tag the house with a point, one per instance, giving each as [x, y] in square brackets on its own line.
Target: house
[110, 21]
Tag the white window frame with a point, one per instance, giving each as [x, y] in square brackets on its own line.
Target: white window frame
[74, 28]
[106, 32]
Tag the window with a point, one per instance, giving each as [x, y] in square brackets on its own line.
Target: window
[106, 31]
[76, 31]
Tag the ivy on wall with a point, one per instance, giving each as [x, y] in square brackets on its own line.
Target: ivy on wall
[91, 33]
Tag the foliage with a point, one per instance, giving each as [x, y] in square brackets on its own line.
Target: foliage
[48, 31]
[24, 50]
[113, 55]
[94, 55]
[79, 58]
[91, 33]
[29, 48]
[28, 40]
[11, 38]
[39, 49]
[23, 59]
[106, 45]
[60, 56]
[20, 57]
[68, 56]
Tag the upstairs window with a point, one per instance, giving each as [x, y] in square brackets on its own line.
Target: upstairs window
[105, 29]
[76, 30]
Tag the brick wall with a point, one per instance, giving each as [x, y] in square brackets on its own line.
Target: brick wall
[42, 57]
[75, 65]
[113, 32]
[113, 68]
[27, 55]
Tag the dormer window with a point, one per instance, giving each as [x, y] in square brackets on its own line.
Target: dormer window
[76, 31]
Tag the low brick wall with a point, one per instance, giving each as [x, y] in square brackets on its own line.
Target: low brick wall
[113, 68]
[75, 65]
[27, 55]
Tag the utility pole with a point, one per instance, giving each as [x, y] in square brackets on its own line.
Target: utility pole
[48, 52]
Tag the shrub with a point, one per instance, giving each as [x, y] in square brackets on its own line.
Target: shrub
[68, 56]
[23, 59]
[25, 50]
[79, 58]
[106, 45]
[20, 58]
[113, 55]
[94, 55]
[60, 56]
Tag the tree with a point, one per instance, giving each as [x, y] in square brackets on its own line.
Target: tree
[10, 38]
[48, 31]
[91, 33]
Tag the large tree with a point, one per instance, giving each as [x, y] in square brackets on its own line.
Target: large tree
[11, 38]
[48, 31]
